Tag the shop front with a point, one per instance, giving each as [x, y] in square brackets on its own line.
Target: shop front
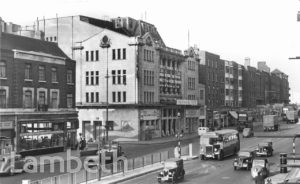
[192, 120]
[149, 124]
[6, 137]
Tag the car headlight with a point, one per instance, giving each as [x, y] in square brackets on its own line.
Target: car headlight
[265, 149]
[247, 161]
[161, 173]
[216, 149]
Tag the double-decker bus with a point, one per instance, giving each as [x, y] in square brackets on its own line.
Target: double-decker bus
[219, 144]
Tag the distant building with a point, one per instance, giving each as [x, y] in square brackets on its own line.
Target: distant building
[262, 66]
[37, 96]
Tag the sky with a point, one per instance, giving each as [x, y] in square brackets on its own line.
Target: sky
[264, 30]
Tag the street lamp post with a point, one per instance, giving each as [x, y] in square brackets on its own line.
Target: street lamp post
[105, 43]
[179, 136]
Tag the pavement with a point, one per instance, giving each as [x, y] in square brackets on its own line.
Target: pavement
[120, 177]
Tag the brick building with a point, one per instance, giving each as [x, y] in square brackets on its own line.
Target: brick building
[37, 96]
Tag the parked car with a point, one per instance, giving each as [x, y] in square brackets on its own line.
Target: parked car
[248, 132]
[7, 167]
[264, 149]
[260, 167]
[244, 160]
[172, 172]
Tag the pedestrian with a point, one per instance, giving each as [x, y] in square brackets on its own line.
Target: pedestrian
[176, 152]
[259, 179]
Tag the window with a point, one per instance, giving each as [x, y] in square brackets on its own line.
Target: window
[54, 38]
[92, 97]
[124, 53]
[114, 96]
[28, 71]
[113, 73]
[97, 55]
[92, 78]
[119, 96]
[124, 96]
[87, 97]
[114, 54]
[201, 94]
[97, 96]
[69, 76]
[87, 55]
[124, 77]
[119, 53]
[145, 55]
[97, 78]
[92, 55]
[42, 76]
[54, 99]
[227, 92]
[28, 99]
[42, 98]
[3, 101]
[87, 78]
[54, 74]
[119, 76]
[69, 100]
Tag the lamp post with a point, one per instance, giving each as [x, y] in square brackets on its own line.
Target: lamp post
[179, 135]
[105, 43]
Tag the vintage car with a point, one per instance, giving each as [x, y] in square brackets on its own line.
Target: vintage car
[111, 151]
[172, 172]
[244, 160]
[264, 149]
[6, 166]
[248, 132]
[260, 166]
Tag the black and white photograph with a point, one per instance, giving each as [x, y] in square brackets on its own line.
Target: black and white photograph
[145, 92]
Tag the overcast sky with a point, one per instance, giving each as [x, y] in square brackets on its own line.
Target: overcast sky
[264, 30]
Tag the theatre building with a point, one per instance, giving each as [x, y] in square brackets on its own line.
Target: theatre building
[37, 96]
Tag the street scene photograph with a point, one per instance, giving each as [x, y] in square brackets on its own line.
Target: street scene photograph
[146, 92]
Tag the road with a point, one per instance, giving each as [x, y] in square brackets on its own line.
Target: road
[212, 172]
[131, 150]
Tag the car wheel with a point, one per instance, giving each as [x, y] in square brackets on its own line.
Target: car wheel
[10, 172]
[234, 168]
[202, 157]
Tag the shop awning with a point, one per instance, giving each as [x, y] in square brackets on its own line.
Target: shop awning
[233, 114]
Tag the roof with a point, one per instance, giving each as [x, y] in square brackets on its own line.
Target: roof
[11, 41]
[104, 24]
[225, 131]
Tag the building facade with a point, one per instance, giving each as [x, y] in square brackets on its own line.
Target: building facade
[37, 96]
[146, 94]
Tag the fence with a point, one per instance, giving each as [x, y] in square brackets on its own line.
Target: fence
[83, 176]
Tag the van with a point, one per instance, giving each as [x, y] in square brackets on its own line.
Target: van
[202, 130]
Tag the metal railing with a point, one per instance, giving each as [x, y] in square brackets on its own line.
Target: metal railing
[83, 176]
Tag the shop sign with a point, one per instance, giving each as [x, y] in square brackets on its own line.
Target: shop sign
[187, 102]
[149, 114]
[192, 113]
[6, 125]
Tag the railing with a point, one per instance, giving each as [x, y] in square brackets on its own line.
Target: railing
[83, 176]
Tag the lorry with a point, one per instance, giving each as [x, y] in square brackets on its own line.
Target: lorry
[270, 123]
[291, 116]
